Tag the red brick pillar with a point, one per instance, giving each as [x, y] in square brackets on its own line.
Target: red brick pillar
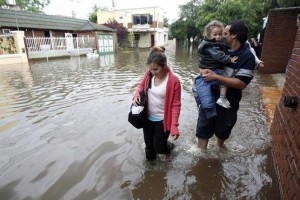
[285, 130]
[279, 39]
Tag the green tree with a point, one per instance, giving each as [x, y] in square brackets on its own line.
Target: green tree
[35, 6]
[195, 14]
[208, 11]
[177, 30]
[184, 28]
[166, 22]
[93, 14]
[122, 32]
[131, 38]
[95, 10]
[288, 3]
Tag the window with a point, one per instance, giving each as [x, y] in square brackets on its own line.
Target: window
[47, 33]
[142, 19]
[136, 20]
[6, 31]
[136, 36]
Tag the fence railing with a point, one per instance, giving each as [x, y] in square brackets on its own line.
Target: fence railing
[36, 44]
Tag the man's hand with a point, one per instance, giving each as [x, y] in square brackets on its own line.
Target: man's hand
[261, 64]
[203, 71]
[209, 75]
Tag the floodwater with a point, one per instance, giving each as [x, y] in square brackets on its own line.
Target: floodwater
[64, 135]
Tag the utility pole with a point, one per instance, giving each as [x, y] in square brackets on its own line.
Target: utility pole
[74, 13]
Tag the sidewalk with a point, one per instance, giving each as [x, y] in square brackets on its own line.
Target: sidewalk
[271, 89]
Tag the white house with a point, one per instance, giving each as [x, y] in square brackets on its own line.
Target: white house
[146, 24]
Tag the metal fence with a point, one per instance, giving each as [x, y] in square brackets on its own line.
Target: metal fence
[36, 44]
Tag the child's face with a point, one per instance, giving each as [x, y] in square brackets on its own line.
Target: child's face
[216, 33]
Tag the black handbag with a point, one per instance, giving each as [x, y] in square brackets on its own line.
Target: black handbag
[138, 120]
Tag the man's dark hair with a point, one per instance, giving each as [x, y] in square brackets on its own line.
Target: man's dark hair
[240, 29]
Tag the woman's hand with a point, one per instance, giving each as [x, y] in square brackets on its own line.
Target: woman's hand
[175, 137]
[136, 100]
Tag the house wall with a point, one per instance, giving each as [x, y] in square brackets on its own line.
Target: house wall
[58, 33]
[161, 38]
[145, 40]
[87, 33]
[37, 33]
[125, 17]
[20, 57]
[120, 16]
[55, 33]
[278, 41]
[285, 129]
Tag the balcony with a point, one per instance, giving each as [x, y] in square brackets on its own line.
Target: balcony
[141, 27]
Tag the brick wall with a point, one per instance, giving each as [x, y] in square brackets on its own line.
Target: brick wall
[279, 39]
[285, 130]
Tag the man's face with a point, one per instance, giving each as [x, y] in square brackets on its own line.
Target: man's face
[227, 36]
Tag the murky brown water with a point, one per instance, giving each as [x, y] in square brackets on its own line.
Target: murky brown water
[64, 135]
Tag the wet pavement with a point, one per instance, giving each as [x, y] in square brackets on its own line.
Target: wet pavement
[271, 90]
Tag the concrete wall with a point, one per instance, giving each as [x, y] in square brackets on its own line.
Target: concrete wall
[145, 40]
[20, 56]
[124, 16]
[279, 39]
[285, 129]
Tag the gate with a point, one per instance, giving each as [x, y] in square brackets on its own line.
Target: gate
[106, 43]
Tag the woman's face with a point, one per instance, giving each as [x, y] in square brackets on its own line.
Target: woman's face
[156, 69]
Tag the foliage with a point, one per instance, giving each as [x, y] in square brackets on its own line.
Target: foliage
[95, 10]
[195, 14]
[166, 22]
[288, 3]
[35, 6]
[122, 32]
[7, 45]
[184, 28]
[131, 38]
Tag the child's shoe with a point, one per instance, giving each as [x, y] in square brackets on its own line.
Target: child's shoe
[223, 102]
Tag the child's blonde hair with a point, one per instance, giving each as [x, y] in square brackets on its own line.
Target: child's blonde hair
[211, 25]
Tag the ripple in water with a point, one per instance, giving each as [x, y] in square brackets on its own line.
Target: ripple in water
[64, 135]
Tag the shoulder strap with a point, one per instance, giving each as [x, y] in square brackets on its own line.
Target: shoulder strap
[149, 84]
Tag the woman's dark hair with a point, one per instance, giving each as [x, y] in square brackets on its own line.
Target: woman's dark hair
[157, 56]
[240, 29]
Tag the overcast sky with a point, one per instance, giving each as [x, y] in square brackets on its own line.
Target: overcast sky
[83, 7]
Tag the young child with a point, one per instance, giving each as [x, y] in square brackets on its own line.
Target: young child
[212, 56]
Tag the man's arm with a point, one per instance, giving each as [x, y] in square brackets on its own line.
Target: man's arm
[209, 75]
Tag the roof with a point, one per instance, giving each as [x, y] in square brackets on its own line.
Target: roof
[25, 19]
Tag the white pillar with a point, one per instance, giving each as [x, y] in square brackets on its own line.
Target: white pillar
[20, 45]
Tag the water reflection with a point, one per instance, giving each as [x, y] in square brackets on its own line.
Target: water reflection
[64, 135]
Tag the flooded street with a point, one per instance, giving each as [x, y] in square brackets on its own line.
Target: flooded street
[64, 134]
